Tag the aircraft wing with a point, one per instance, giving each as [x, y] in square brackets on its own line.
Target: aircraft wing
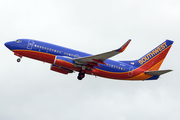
[94, 60]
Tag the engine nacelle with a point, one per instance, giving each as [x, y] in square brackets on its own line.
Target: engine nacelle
[60, 69]
[64, 62]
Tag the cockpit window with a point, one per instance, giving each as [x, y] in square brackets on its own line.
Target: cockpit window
[18, 41]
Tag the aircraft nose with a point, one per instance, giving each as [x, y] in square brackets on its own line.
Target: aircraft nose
[8, 44]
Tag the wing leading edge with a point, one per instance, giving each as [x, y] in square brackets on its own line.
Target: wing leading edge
[94, 60]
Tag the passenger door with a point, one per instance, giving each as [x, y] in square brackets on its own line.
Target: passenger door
[30, 44]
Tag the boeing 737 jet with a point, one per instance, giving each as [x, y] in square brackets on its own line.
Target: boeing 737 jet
[65, 60]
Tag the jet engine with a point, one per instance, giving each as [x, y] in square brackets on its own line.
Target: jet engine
[64, 62]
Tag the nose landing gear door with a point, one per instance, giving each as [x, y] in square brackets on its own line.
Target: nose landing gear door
[30, 44]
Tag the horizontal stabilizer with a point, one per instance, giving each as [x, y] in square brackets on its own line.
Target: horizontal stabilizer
[157, 73]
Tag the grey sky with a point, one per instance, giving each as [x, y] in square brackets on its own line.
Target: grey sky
[29, 90]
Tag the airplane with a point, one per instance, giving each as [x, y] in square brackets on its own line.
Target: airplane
[65, 60]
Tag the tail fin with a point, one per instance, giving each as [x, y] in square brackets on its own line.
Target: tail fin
[153, 60]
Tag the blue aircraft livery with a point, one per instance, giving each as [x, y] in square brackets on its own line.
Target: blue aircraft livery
[64, 60]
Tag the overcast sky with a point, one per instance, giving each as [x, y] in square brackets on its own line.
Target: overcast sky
[30, 91]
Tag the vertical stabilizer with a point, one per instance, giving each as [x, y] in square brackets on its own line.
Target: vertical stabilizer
[153, 60]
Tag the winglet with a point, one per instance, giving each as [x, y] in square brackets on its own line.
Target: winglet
[123, 47]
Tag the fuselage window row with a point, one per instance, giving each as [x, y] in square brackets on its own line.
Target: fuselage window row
[116, 67]
[49, 49]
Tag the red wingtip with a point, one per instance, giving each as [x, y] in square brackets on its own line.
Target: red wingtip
[125, 45]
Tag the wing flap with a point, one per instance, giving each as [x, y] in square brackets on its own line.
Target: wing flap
[157, 73]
